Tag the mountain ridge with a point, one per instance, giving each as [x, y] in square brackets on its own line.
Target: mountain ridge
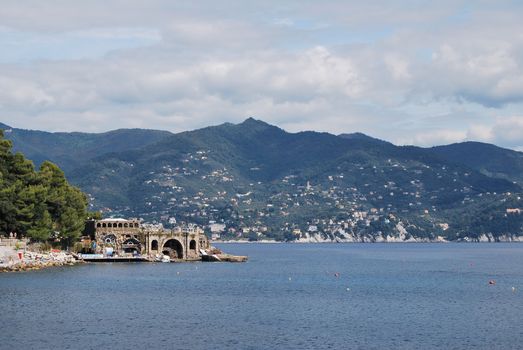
[70, 149]
[487, 158]
[256, 177]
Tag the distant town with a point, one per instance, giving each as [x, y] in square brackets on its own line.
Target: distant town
[238, 215]
[254, 181]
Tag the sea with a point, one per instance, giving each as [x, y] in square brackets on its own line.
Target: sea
[287, 296]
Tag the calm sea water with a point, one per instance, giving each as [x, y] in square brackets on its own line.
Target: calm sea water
[288, 296]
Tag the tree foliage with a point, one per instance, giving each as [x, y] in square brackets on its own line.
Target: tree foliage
[39, 204]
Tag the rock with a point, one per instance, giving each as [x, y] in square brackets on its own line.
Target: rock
[232, 258]
[36, 261]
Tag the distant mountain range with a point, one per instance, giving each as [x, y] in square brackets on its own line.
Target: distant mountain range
[257, 181]
[71, 149]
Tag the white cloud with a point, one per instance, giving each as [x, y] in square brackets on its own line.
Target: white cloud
[434, 137]
[509, 130]
[480, 133]
[416, 72]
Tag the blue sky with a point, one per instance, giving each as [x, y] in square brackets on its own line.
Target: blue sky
[411, 72]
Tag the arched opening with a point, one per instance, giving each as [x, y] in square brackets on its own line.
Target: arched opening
[173, 248]
[120, 225]
[132, 246]
[104, 225]
[125, 225]
[98, 225]
[136, 225]
[110, 240]
[154, 245]
[192, 245]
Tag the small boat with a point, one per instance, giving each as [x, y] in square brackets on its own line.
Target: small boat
[166, 259]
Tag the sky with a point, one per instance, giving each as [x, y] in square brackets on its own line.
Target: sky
[410, 72]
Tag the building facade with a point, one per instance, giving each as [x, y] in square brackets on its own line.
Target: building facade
[127, 236]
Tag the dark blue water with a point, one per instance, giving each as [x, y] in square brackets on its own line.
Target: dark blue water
[387, 296]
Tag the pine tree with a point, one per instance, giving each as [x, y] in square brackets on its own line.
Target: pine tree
[38, 203]
[42, 226]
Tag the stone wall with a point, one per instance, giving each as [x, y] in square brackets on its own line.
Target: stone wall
[128, 237]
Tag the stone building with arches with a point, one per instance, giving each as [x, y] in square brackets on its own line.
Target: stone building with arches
[128, 236]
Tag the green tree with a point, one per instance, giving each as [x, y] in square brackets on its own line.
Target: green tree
[70, 225]
[95, 215]
[38, 203]
[42, 227]
[53, 179]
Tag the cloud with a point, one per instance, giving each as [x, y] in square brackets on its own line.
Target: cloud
[480, 133]
[26, 47]
[506, 131]
[434, 137]
[193, 89]
[416, 72]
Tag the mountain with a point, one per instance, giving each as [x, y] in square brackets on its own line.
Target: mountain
[265, 183]
[488, 159]
[71, 150]
[362, 137]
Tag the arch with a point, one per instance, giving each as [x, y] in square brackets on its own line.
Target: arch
[136, 225]
[192, 245]
[132, 245]
[125, 225]
[104, 225]
[173, 248]
[154, 245]
[110, 239]
[120, 225]
[98, 225]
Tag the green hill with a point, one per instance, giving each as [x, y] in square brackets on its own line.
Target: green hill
[263, 182]
[488, 159]
[71, 150]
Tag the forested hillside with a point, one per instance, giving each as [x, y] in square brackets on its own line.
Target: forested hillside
[261, 182]
[39, 204]
[74, 149]
[488, 159]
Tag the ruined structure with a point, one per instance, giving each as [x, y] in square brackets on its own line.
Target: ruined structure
[123, 237]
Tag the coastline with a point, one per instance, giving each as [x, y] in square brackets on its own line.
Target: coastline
[19, 261]
[12, 260]
[465, 240]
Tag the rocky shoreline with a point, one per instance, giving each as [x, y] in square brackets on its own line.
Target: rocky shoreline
[318, 238]
[30, 261]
